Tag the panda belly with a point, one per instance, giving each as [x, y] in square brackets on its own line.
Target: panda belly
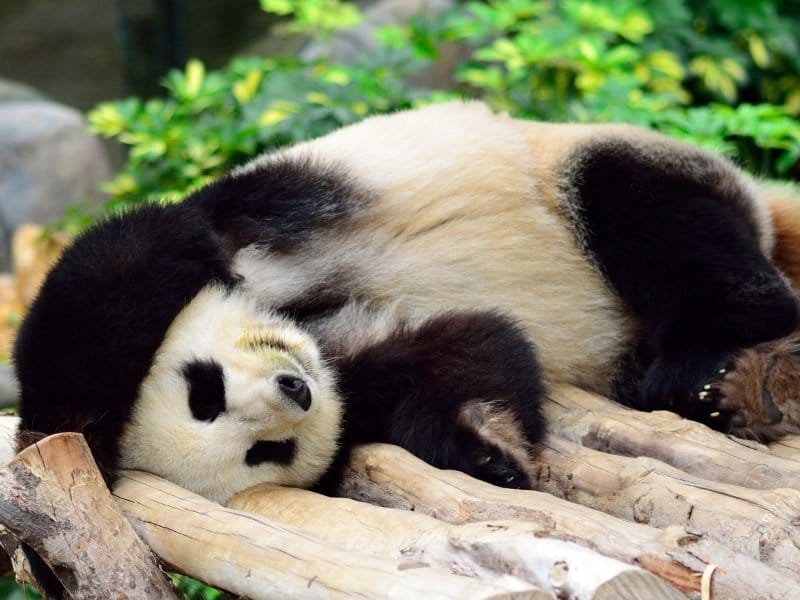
[524, 263]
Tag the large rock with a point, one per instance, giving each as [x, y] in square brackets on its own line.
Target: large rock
[47, 162]
[13, 91]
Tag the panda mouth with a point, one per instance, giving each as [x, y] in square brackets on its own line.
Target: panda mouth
[270, 451]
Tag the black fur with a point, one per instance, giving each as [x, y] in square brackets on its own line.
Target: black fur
[410, 389]
[206, 382]
[279, 204]
[281, 453]
[89, 338]
[679, 245]
[46, 580]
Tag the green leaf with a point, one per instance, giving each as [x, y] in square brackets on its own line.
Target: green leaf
[195, 73]
[245, 89]
[758, 49]
[278, 7]
[278, 112]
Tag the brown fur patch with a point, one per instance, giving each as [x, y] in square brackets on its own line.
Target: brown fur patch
[785, 211]
[762, 390]
[498, 426]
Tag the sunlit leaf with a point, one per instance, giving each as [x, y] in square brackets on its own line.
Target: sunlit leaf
[279, 7]
[666, 62]
[195, 73]
[245, 89]
[278, 112]
[758, 50]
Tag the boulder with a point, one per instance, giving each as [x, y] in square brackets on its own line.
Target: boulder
[47, 162]
[13, 91]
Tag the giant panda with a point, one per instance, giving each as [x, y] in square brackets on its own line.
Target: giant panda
[418, 278]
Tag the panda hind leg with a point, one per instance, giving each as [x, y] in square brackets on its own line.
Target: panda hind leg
[677, 236]
[460, 391]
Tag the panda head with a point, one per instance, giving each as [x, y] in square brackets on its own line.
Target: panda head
[235, 396]
[144, 340]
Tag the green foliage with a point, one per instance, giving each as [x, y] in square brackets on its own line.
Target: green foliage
[211, 121]
[724, 74]
[675, 65]
[315, 17]
[191, 589]
[10, 590]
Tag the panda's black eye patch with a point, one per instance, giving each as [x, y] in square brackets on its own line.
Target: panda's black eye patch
[263, 451]
[206, 389]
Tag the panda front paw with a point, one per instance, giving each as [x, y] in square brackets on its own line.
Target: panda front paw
[492, 445]
[495, 465]
[676, 382]
[757, 395]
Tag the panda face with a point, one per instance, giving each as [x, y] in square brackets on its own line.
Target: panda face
[236, 396]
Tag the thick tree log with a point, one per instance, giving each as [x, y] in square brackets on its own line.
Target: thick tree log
[598, 423]
[53, 500]
[389, 476]
[252, 556]
[788, 447]
[486, 549]
[762, 524]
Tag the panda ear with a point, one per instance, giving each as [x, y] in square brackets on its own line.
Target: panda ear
[206, 383]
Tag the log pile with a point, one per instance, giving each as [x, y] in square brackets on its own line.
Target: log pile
[628, 505]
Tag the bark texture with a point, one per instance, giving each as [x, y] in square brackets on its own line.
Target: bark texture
[389, 476]
[628, 505]
[62, 526]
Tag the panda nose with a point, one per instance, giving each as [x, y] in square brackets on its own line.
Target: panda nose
[296, 389]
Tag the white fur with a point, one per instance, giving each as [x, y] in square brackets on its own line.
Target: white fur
[209, 457]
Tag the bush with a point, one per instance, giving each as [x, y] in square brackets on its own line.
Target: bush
[674, 65]
[724, 74]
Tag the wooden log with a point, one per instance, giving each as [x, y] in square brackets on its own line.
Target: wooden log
[486, 549]
[389, 476]
[788, 447]
[253, 556]
[595, 422]
[762, 524]
[54, 500]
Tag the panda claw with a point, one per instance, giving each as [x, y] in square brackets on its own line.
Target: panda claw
[496, 466]
[714, 414]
